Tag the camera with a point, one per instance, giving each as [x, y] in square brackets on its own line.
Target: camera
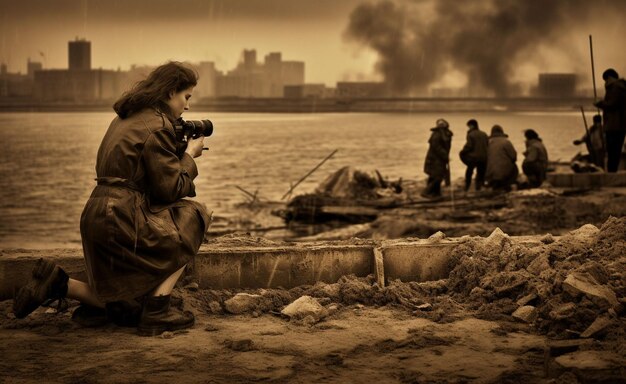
[190, 129]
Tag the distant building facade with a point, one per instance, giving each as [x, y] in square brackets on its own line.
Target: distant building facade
[253, 79]
[557, 85]
[319, 91]
[17, 85]
[78, 86]
[79, 83]
[358, 89]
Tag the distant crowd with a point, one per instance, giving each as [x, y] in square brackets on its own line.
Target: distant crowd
[494, 158]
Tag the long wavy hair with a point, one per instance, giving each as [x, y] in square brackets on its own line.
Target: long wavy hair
[154, 91]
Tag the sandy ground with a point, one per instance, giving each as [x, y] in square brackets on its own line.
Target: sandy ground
[355, 345]
[498, 318]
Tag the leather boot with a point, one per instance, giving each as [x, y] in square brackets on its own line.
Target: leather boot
[48, 282]
[89, 316]
[124, 313]
[158, 316]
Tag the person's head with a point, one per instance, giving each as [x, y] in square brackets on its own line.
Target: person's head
[472, 124]
[167, 88]
[497, 130]
[531, 134]
[441, 123]
[597, 119]
[610, 73]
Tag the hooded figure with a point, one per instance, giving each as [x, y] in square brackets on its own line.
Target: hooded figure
[594, 140]
[614, 110]
[436, 163]
[501, 157]
[535, 159]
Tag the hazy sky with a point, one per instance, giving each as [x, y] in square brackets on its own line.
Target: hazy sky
[125, 32]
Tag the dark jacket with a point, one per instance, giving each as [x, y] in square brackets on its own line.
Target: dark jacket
[614, 105]
[475, 149]
[501, 158]
[136, 228]
[436, 163]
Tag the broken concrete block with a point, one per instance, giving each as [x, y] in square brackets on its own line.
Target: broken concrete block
[547, 239]
[526, 299]
[578, 240]
[577, 283]
[492, 245]
[425, 307]
[589, 366]
[562, 311]
[242, 303]
[560, 347]
[506, 283]
[540, 264]
[304, 306]
[527, 314]
[436, 237]
[598, 325]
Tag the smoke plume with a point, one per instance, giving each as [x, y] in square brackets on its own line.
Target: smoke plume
[418, 42]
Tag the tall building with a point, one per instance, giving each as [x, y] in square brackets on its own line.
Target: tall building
[79, 83]
[207, 81]
[79, 54]
[31, 67]
[267, 79]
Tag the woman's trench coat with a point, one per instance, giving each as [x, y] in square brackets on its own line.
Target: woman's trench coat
[136, 228]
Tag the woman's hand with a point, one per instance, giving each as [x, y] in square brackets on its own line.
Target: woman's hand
[194, 147]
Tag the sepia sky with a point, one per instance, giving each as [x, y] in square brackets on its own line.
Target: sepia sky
[337, 39]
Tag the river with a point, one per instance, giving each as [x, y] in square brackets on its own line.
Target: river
[47, 160]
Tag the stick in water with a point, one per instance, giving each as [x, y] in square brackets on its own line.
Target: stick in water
[308, 174]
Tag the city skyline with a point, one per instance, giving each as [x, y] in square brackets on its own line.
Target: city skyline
[338, 41]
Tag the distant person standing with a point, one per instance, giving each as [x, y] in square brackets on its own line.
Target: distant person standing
[594, 139]
[501, 157]
[437, 158]
[474, 155]
[535, 159]
[614, 109]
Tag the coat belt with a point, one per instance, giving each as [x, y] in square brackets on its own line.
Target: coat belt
[118, 182]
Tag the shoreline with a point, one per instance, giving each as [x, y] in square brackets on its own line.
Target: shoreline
[331, 105]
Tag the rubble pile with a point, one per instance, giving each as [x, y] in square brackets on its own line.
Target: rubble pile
[572, 286]
[352, 183]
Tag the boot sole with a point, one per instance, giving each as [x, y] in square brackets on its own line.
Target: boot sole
[28, 297]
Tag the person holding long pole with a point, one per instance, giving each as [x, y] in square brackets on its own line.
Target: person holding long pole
[614, 114]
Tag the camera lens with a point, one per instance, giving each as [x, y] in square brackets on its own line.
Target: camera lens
[201, 127]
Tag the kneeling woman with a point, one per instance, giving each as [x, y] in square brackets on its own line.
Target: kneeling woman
[138, 231]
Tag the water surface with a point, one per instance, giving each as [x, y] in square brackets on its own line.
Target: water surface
[47, 160]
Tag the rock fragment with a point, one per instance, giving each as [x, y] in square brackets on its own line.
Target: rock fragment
[527, 314]
[577, 283]
[598, 325]
[303, 307]
[242, 303]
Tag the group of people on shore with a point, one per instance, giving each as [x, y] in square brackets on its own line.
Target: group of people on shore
[605, 139]
[494, 157]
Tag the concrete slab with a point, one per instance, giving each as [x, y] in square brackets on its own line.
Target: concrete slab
[281, 267]
[417, 260]
[587, 180]
[276, 265]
